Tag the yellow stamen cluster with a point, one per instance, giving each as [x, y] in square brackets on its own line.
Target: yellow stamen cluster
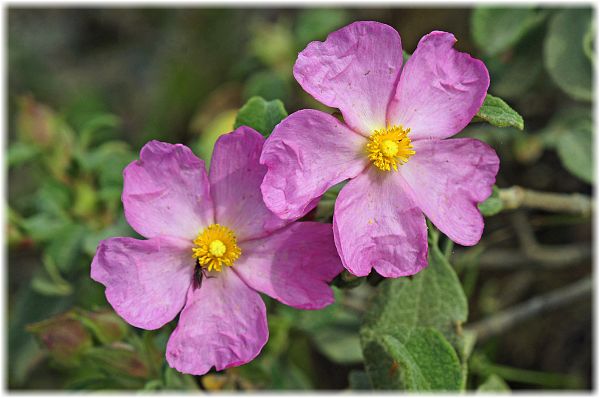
[216, 246]
[389, 147]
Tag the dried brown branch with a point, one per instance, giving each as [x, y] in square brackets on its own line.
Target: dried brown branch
[517, 197]
[543, 257]
[505, 320]
[530, 254]
[549, 255]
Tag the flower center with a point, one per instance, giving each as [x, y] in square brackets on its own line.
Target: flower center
[389, 147]
[216, 246]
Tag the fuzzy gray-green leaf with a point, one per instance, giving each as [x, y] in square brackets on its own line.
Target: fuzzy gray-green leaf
[565, 55]
[492, 205]
[261, 115]
[498, 113]
[401, 319]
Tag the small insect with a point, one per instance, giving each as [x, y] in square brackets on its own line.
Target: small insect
[199, 274]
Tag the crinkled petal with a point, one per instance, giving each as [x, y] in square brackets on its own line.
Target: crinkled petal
[223, 324]
[307, 153]
[354, 70]
[293, 265]
[235, 178]
[440, 89]
[447, 179]
[376, 225]
[146, 280]
[166, 192]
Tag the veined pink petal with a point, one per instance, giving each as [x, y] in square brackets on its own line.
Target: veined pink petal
[354, 70]
[145, 280]
[223, 324]
[440, 89]
[376, 225]
[166, 192]
[447, 178]
[293, 265]
[307, 153]
[235, 178]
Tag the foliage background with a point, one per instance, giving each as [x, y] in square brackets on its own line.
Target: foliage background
[88, 87]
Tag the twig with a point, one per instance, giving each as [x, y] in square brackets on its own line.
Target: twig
[542, 253]
[516, 197]
[504, 320]
[543, 257]
[531, 253]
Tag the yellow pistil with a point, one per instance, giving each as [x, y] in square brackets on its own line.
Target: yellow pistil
[216, 246]
[389, 147]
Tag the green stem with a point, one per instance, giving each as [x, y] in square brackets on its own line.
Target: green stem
[448, 246]
[546, 379]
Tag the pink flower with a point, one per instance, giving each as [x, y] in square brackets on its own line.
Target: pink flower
[211, 246]
[392, 146]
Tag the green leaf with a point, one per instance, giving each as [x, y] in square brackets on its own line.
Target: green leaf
[564, 52]
[173, 380]
[122, 359]
[493, 384]
[261, 115]
[118, 228]
[272, 43]
[53, 198]
[267, 84]
[316, 24]
[575, 150]
[588, 43]
[96, 127]
[44, 227]
[423, 361]
[492, 205]
[220, 124]
[359, 380]
[48, 281]
[107, 161]
[111, 367]
[66, 246]
[21, 152]
[413, 321]
[334, 331]
[566, 119]
[498, 113]
[105, 325]
[570, 134]
[496, 29]
[512, 76]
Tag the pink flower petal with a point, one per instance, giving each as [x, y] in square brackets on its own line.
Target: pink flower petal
[235, 178]
[354, 70]
[293, 265]
[447, 179]
[376, 225]
[307, 153]
[223, 324]
[440, 89]
[145, 280]
[166, 192]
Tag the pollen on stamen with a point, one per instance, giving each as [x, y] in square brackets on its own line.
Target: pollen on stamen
[216, 246]
[389, 147]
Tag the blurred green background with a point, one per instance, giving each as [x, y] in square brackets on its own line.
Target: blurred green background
[88, 87]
